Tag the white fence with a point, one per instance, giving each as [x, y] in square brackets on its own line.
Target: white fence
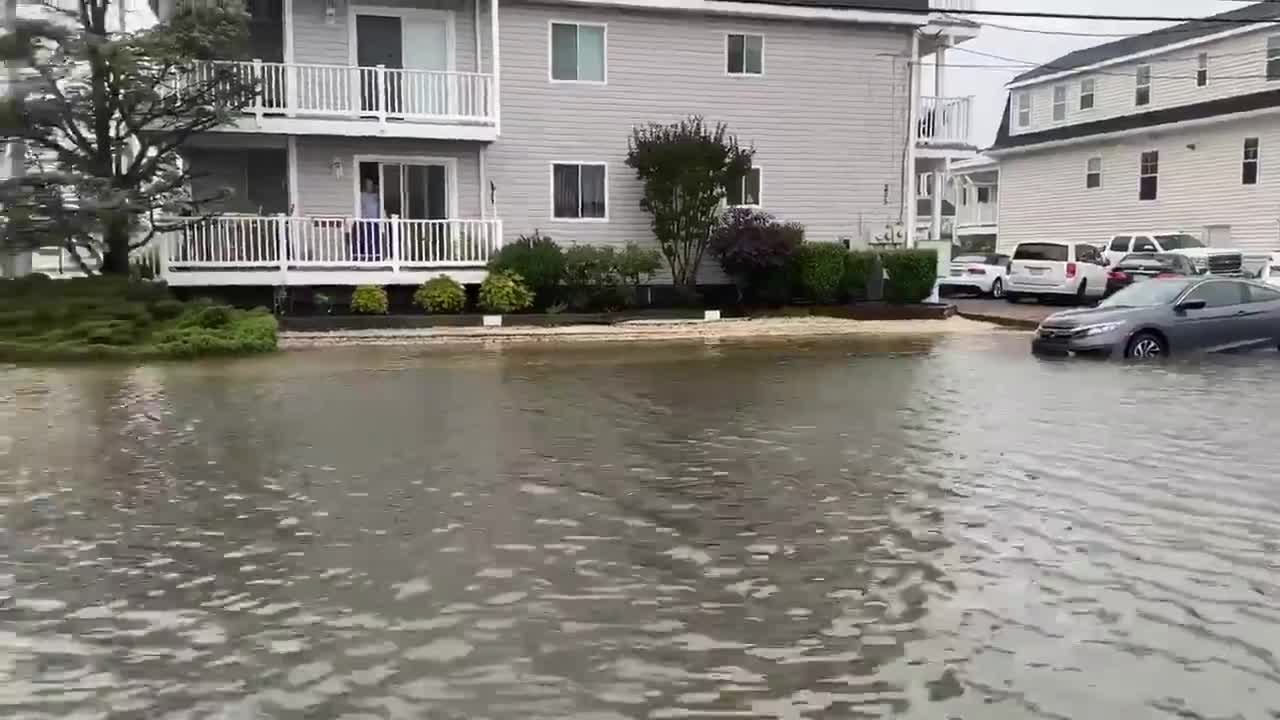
[945, 120]
[375, 92]
[254, 242]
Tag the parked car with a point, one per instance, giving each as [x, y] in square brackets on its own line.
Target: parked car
[1215, 261]
[1159, 317]
[1144, 266]
[1056, 269]
[1264, 268]
[976, 273]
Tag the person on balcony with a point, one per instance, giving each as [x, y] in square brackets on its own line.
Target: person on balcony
[367, 235]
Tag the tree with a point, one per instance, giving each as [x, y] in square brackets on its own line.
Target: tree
[685, 168]
[104, 114]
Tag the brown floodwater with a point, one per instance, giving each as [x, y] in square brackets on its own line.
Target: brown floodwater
[923, 529]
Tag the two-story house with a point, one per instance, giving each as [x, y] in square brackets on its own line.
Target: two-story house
[1167, 131]
[393, 140]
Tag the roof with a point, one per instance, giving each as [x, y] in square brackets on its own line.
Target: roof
[920, 6]
[1260, 12]
[1166, 116]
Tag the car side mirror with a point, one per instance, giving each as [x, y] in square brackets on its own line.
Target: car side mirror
[1186, 305]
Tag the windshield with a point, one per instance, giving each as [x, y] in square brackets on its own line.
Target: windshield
[1041, 251]
[984, 259]
[1146, 294]
[1179, 241]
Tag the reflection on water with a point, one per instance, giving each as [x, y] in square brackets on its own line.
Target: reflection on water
[800, 531]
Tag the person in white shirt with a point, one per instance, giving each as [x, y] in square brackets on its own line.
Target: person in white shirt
[367, 245]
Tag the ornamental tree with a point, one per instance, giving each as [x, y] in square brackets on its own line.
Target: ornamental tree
[104, 113]
[685, 168]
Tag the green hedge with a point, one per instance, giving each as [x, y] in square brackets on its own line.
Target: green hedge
[822, 270]
[441, 295]
[115, 319]
[857, 269]
[912, 274]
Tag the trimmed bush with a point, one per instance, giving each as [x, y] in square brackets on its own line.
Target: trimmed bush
[912, 274]
[505, 292]
[536, 258]
[636, 265]
[591, 274]
[369, 300]
[441, 295]
[857, 268]
[756, 251]
[822, 270]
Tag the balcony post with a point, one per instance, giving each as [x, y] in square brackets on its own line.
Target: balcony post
[282, 243]
[908, 189]
[380, 92]
[394, 236]
[496, 97]
[162, 260]
[260, 82]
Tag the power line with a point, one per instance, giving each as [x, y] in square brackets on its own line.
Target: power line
[1172, 30]
[1026, 64]
[1220, 19]
[1259, 54]
[1212, 78]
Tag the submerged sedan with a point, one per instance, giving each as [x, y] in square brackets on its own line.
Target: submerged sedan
[1164, 316]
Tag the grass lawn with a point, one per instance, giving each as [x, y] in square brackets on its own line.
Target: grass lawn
[106, 318]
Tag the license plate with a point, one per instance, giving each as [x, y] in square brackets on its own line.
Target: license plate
[1037, 271]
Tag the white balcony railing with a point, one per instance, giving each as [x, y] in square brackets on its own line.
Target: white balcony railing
[381, 93]
[945, 121]
[283, 242]
[953, 5]
[977, 214]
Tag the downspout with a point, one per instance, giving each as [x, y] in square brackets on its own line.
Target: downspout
[497, 68]
[908, 213]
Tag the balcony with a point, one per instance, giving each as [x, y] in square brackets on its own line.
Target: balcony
[285, 250]
[945, 122]
[952, 5]
[977, 215]
[311, 99]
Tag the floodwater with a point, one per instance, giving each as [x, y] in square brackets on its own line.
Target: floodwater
[945, 529]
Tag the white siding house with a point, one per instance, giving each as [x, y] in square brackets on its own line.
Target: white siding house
[394, 140]
[1173, 130]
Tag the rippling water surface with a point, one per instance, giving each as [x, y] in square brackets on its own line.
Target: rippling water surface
[949, 530]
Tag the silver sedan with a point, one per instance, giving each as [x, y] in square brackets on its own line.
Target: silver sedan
[1159, 317]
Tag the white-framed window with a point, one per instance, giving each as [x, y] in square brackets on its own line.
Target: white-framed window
[1149, 175]
[744, 54]
[745, 192]
[1273, 57]
[984, 194]
[579, 191]
[578, 52]
[1249, 171]
[1202, 69]
[1022, 108]
[1087, 88]
[1093, 173]
[1059, 103]
[1142, 87]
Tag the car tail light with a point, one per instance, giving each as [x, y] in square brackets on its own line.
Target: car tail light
[1118, 276]
[1071, 269]
[977, 271]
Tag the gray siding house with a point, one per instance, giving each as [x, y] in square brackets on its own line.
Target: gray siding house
[393, 140]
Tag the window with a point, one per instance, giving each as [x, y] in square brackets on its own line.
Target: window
[1120, 243]
[1257, 293]
[746, 192]
[1273, 57]
[1088, 254]
[1220, 293]
[1024, 109]
[746, 54]
[1059, 103]
[984, 194]
[1144, 245]
[577, 53]
[1051, 252]
[1249, 173]
[1179, 241]
[1093, 173]
[1086, 94]
[1202, 69]
[1142, 91]
[1149, 175]
[579, 191]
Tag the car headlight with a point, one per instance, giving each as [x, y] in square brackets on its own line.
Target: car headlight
[1097, 329]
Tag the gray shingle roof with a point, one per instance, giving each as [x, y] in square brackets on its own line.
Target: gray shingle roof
[1261, 12]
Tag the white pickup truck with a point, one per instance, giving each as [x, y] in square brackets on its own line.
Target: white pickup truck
[1214, 261]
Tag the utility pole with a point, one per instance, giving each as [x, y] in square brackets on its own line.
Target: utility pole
[14, 263]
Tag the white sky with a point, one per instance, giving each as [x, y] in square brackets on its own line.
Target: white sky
[987, 85]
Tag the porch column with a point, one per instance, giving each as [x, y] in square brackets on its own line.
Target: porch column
[939, 62]
[484, 182]
[497, 65]
[291, 155]
[290, 72]
[908, 194]
[935, 224]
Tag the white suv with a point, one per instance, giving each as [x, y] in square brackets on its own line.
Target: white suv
[1215, 261]
[1056, 269]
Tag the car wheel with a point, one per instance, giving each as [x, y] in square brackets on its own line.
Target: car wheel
[1082, 293]
[997, 288]
[1146, 346]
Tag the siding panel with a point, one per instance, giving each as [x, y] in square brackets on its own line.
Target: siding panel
[1237, 66]
[1199, 185]
[828, 119]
